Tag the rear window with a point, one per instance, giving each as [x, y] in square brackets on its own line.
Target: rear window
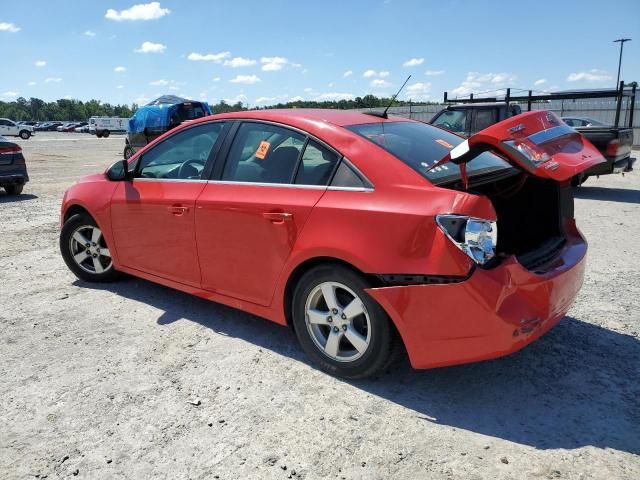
[420, 146]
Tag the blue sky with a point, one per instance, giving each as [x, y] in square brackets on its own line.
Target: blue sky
[262, 52]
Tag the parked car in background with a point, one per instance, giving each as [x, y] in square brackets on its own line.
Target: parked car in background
[280, 213]
[49, 126]
[9, 128]
[83, 128]
[13, 168]
[158, 117]
[467, 119]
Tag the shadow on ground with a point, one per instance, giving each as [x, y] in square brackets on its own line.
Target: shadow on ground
[576, 386]
[623, 195]
[4, 198]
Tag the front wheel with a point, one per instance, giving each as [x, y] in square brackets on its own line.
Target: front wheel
[25, 134]
[128, 152]
[339, 325]
[85, 250]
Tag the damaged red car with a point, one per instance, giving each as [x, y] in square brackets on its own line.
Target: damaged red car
[363, 232]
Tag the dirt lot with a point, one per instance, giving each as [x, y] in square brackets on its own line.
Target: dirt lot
[134, 380]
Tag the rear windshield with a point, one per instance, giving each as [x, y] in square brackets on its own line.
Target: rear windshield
[420, 146]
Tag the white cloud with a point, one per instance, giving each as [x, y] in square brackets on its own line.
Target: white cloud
[150, 47]
[246, 79]
[216, 79]
[308, 89]
[330, 85]
[237, 62]
[120, 87]
[90, 33]
[542, 81]
[238, 98]
[348, 73]
[9, 27]
[413, 62]
[265, 99]
[52, 80]
[433, 73]
[141, 100]
[31, 84]
[476, 82]
[142, 11]
[159, 83]
[334, 96]
[120, 69]
[296, 99]
[419, 91]
[272, 64]
[379, 83]
[593, 75]
[40, 63]
[9, 95]
[173, 88]
[208, 57]
[373, 73]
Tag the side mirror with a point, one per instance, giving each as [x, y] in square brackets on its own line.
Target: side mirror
[119, 171]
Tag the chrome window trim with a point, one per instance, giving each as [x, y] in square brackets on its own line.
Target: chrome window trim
[186, 180]
[289, 185]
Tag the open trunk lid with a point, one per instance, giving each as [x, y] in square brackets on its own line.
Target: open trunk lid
[537, 142]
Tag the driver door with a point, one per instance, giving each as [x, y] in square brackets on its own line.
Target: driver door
[153, 215]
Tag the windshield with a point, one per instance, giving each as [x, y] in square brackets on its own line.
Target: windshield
[420, 146]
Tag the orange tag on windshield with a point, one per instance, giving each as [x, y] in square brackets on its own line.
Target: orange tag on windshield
[263, 148]
[444, 144]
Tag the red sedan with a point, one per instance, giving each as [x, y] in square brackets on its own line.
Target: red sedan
[362, 232]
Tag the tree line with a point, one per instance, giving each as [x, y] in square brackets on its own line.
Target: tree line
[35, 109]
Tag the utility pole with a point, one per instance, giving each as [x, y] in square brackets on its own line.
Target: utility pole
[621, 41]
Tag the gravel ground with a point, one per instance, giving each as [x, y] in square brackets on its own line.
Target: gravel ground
[134, 380]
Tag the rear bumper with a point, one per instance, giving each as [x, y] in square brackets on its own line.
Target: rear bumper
[13, 179]
[494, 313]
[624, 165]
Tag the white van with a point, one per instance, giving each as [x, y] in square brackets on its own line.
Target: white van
[103, 126]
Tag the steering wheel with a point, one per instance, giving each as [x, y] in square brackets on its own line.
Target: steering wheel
[183, 168]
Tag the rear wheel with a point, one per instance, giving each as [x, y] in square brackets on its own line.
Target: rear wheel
[14, 189]
[105, 133]
[25, 134]
[339, 326]
[128, 152]
[85, 250]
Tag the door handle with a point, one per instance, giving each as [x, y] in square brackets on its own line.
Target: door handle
[178, 209]
[278, 217]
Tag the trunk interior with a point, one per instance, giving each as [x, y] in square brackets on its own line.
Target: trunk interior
[530, 214]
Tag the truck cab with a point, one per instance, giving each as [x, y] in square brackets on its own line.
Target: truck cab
[467, 119]
[9, 128]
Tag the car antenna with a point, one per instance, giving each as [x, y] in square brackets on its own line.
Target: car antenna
[393, 99]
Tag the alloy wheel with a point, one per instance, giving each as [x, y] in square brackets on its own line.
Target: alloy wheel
[89, 250]
[338, 321]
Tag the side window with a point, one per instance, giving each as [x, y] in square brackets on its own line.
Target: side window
[263, 153]
[181, 156]
[569, 121]
[346, 177]
[317, 165]
[452, 120]
[484, 119]
[4, 123]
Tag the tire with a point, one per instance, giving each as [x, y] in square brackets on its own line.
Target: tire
[98, 134]
[95, 265]
[25, 134]
[578, 180]
[14, 189]
[105, 133]
[128, 152]
[375, 334]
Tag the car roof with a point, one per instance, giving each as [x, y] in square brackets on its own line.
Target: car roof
[304, 117]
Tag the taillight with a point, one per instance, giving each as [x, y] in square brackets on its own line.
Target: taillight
[474, 236]
[10, 150]
[613, 147]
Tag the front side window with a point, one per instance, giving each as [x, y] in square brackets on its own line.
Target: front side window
[181, 156]
[452, 120]
[420, 146]
[484, 119]
[263, 153]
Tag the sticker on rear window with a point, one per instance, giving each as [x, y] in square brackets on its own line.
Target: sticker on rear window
[263, 148]
[444, 143]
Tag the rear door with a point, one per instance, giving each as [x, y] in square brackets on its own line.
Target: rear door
[153, 216]
[538, 142]
[249, 217]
